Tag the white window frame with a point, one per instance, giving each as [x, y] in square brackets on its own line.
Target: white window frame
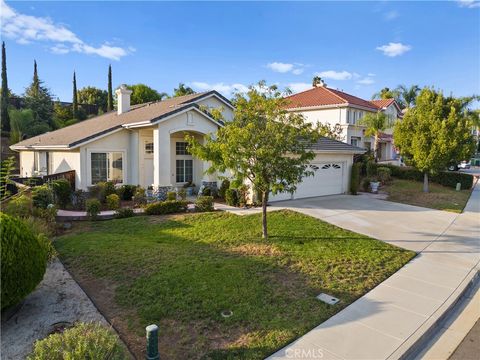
[357, 139]
[124, 163]
[183, 157]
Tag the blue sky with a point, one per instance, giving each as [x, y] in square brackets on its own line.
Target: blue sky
[359, 47]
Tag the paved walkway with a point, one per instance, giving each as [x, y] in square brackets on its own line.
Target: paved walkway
[391, 318]
[57, 299]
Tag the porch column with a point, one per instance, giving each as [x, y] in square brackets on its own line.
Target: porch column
[161, 157]
[134, 158]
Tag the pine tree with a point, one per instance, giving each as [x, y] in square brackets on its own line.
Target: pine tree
[110, 93]
[4, 100]
[75, 98]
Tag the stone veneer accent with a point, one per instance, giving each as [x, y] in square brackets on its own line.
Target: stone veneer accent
[160, 192]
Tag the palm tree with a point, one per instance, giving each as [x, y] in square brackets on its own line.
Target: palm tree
[375, 123]
[182, 90]
[409, 95]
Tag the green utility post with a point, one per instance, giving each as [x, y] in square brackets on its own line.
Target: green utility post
[152, 342]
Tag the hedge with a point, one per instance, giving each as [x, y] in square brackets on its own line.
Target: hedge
[445, 178]
[166, 207]
[24, 260]
[204, 203]
[355, 178]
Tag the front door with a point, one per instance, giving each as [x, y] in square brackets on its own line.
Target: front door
[146, 161]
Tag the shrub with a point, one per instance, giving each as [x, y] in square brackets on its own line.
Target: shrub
[24, 260]
[97, 191]
[355, 178]
[20, 206]
[242, 195]
[113, 202]
[171, 195]
[83, 341]
[384, 174]
[42, 196]
[126, 192]
[451, 179]
[93, 207]
[49, 214]
[109, 189]
[62, 191]
[366, 184]
[231, 197]
[204, 203]
[79, 198]
[166, 207]
[223, 188]
[140, 198]
[371, 169]
[182, 193]
[207, 191]
[124, 213]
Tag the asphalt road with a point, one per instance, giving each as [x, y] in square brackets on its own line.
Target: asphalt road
[469, 348]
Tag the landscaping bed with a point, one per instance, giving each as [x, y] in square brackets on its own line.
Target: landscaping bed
[182, 271]
[439, 197]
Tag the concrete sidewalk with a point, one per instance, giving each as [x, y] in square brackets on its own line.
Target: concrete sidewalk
[388, 321]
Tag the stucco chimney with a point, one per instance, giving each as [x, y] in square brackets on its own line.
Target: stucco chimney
[123, 99]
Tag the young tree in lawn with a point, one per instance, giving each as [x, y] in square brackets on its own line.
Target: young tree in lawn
[4, 100]
[182, 90]
[38, 98]
[110, 92]
[75, 98]
[436, 132]
[375, 123]
[264, 144]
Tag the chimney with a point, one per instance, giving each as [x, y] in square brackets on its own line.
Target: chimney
[123, 99]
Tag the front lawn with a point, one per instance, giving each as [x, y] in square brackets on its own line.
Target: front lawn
[181, 272]
[440, 197]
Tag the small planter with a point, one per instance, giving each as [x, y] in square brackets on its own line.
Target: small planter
[374, 185]
[189, 191]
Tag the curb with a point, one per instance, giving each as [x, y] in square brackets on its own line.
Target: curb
[413, 346]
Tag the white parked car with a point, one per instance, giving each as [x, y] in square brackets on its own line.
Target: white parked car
[464, 165]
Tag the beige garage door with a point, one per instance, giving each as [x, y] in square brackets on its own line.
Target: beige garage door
[327, 180]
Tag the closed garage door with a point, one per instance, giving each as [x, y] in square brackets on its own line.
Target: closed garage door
[327, 180]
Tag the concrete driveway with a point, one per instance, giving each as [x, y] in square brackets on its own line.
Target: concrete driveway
[392, 320]
[410, 227]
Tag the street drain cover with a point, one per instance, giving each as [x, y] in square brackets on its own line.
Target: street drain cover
[329, 299]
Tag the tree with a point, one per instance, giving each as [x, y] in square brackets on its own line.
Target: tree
[408, 95]
[387, 93]
[23, 125]
[5, 93]
[317, 80]
[62, 115]
[110, 92]
[142, 94]
[182, 90]
[331, 131]
[436, 132]
[38, 98]
[75, 98]
[375, 123]
[93, 96]
[264, 144]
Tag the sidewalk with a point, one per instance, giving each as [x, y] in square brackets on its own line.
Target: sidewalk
[392, 318]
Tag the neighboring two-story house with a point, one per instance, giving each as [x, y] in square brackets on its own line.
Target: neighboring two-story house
[330, 106]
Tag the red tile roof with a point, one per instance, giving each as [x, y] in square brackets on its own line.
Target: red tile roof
[323, 96]
[382, 103]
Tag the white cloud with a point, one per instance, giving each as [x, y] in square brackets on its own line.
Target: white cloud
[394, 49]
[299, 86]
[366, 81]
[371, 74]
[220, 87]
[469, 3]
[335, 75]
[26, 29]
[281, 67]
[391, 15]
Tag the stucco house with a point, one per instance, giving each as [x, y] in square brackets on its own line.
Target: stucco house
[329, 106]
[145, 145]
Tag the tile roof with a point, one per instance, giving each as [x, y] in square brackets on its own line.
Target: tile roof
[323, 96]
[85, 130]
[382, 103]
[328, 144]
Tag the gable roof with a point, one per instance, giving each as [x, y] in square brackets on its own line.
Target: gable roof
[385, 103]
[86, 130]
[324, 144]
[323, 96]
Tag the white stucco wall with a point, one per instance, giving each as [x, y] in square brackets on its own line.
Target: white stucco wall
[214, 103]
[26, 163]
[61, 161]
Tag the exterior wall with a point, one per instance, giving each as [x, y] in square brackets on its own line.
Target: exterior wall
[26, 163]
[213, 102]
[61, 161]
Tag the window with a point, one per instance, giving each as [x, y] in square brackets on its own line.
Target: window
[354, 140]
[148, 147]
[107, 166]
[181, 148]
[184, 170]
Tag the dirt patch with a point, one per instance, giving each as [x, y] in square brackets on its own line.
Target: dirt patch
[256, 250]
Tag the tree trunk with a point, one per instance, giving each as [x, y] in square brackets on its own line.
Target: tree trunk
[375, 147]
[425, 182]
[264, 215]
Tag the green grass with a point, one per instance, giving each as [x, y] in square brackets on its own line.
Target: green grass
[181, 272]
[440, 197]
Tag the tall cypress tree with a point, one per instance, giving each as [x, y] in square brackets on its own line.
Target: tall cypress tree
[36, 81]
[4, 100]
[110, 93]
[75, 98]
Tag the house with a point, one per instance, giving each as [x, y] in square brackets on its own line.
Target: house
[329, 106]
[145, 145]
